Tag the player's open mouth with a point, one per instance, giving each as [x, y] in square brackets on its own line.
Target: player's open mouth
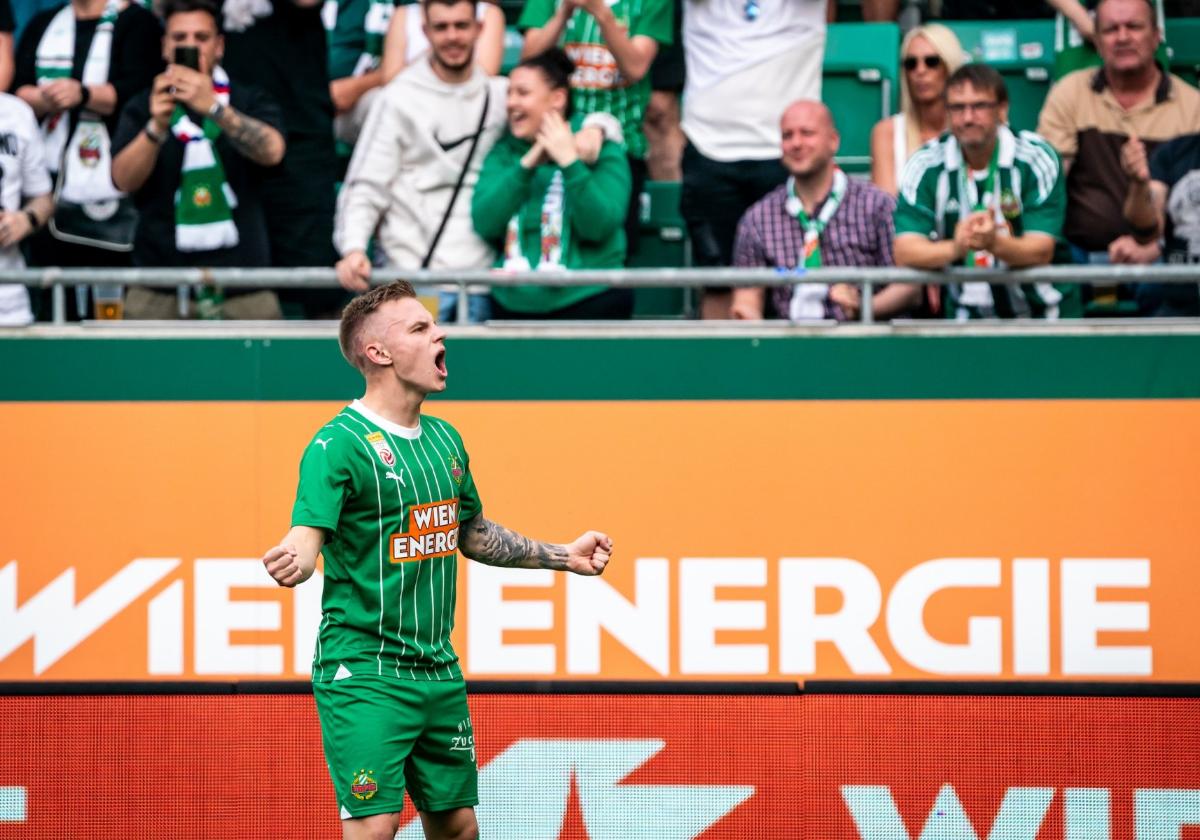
[439, 362]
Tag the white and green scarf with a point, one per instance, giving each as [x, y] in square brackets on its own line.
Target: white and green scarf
[204, 201]
[54, 58]
[554, 232]
[808, 299]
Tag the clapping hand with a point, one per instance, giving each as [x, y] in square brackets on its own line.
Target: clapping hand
[556, 137]
[981, 231]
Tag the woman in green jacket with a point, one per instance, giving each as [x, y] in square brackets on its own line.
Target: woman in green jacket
[543, 208]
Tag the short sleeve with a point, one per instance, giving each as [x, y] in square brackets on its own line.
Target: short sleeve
[134, 116]
[262, 106]
[656, 21]
[914, 216]
[469, 505]
[1044, 193]
[325, 480]
[535, 14]
[1057, 122]
[35, 176]
[915, 201]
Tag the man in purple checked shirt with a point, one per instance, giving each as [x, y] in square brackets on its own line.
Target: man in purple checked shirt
[819, 217]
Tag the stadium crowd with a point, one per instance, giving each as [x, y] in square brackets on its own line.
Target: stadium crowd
[359, 134]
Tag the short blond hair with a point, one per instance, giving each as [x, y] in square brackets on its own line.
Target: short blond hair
[356, 313]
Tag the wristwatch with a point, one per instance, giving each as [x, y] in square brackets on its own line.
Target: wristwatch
[153, 133]
[216, 110]
[34, 221]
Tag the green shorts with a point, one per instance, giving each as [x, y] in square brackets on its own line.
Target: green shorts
[383, 735]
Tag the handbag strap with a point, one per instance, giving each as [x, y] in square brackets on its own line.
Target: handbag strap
[462, 176]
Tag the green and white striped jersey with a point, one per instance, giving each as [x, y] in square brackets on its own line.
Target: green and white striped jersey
[390, 500]
[1025, 191]
[597, 85]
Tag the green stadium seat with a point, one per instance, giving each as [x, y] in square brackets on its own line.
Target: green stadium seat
[860, 84]
[662, 244]
[1023, 52]
[1183, 43]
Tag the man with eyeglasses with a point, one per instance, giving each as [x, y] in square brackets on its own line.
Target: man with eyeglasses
[1092, 113]
[983, 196]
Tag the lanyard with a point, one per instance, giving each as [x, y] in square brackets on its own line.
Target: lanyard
[813, 228]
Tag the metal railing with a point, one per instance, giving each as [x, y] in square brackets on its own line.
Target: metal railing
[57, 279]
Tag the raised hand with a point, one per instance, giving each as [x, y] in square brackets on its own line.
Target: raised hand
[1134, 161]
[283, 565]
[557, 139]
[589, 554]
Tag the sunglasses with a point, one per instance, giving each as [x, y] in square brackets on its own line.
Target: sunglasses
[932, 62]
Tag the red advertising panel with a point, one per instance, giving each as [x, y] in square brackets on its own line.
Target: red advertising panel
[250, 766]
[1017, 768]
[626, 767]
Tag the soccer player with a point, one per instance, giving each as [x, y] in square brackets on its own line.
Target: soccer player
[386, 495]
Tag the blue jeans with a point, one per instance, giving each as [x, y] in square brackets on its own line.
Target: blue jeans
[479, 307]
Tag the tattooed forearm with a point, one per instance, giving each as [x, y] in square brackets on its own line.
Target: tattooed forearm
[494, 545]
[253, 138]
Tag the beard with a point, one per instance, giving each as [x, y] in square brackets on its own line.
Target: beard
[455, 67]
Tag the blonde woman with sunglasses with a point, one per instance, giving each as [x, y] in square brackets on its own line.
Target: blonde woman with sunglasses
[928, 55]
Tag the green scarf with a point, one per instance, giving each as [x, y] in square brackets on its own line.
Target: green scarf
[204, 202]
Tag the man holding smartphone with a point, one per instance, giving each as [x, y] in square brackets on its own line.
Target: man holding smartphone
[192, 151]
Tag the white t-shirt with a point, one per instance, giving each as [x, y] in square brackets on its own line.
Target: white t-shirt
[747, 60]
[23, 173]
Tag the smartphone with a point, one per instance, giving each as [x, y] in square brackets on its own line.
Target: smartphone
[188, 57]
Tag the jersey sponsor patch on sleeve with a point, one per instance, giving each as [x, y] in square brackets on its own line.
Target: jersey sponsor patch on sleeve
[432, 532]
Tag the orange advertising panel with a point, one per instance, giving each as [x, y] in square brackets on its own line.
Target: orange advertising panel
[786, 540]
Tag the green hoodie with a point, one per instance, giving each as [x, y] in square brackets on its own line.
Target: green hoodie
[597, 198]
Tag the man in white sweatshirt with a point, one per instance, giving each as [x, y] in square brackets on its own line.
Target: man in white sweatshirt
[418, 136]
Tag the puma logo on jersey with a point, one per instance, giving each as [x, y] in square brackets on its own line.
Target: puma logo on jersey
[324, 443]
[395, 477]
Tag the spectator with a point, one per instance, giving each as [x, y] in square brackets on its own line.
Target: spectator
[433, 121]
[928, 55]
[984, 197]
[27, 180]
[357, 29]
[405, 173]
[282, 51]
[613, 46]
[1090, 114]
[1075, 35]
[664, 137]
[818, 218]
[406, 41]
[191, 150]
[1163, 204]
[745, 61]
[76, 67]
[7, 25]
[544, 208]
